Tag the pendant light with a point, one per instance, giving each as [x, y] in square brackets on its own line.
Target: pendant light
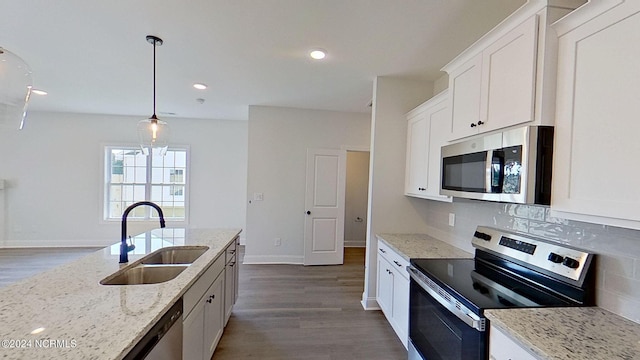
[15, 90]
[153, 133]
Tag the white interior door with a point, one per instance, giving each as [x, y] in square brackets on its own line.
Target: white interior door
[324, 207]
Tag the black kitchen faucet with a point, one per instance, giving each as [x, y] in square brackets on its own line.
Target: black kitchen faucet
[124, 247]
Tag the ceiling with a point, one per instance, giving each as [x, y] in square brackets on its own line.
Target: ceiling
[91, 56]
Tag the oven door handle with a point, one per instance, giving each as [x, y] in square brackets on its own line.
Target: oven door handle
[469, 318]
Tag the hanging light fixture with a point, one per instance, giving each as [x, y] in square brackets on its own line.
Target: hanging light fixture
[153, 133]
[15, 90]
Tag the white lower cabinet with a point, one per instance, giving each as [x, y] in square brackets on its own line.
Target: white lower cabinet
[230, 282]
[192, 334]
[207, 306]
[393, 290]
[202, 328]
[213, 316]
[502, 347]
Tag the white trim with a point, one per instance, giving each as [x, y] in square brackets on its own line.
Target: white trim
[594, 219]
[355, 148]
[103, 184]
[369, 303]
[585, 13]
[355, 243]
[273, 259]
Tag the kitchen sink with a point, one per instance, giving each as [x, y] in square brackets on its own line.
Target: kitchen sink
[144, 274]
[175, 255]
[159, 266]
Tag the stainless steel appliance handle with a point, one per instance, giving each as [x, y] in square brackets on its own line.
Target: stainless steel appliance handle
[488, 171]
[462, 313]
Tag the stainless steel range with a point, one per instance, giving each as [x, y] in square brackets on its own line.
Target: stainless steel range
[448, 296]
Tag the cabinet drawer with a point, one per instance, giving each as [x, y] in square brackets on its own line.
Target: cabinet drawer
[393, 258]
[198, 289]
[230, 252]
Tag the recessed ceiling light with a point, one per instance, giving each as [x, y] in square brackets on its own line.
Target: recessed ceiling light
[39, 92]
[318, 54]
[200, 86]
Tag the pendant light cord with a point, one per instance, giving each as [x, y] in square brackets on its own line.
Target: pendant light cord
[154, 79]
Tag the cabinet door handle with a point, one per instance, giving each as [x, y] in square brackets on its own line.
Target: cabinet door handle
[382, 251]
[397, 263]
[473, 125]
[480, 122]
[209, 301]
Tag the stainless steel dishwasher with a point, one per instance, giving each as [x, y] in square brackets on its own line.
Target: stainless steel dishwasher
[164, 340]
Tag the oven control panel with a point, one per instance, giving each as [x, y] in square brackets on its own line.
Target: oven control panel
[525, 247]
[551, 257]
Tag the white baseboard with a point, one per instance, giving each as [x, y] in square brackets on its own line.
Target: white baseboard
[273, 259]
[355, 243]
[369, 303]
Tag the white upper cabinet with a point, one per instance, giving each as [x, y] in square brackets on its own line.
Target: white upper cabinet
[595, 174]
[508, 76]
[465, 86]
[427, 130]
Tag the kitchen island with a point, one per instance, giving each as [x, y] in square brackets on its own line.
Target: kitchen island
[65, 313]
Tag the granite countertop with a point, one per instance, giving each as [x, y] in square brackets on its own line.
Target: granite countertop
[570, 333]
[417, 246]
[83, 319]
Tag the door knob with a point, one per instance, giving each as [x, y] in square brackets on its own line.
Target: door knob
[308, 212]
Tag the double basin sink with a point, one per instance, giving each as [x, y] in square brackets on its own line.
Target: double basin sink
[159, 266]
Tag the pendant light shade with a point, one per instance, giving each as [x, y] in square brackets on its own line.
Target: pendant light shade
[15, 90]
[153, 133]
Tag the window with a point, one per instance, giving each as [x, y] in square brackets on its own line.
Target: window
[131, 177]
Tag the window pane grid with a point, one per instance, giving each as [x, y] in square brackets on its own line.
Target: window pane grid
[133, 177]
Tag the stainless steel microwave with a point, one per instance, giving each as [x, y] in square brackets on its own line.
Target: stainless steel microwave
[511, 166]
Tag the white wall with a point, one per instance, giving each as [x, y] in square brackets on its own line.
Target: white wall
[389, 210]
[356, 199]
[278, 141]
[441, 83]
[53, 172]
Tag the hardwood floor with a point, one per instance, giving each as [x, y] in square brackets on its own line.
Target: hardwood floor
[18, 264]
[289, 312]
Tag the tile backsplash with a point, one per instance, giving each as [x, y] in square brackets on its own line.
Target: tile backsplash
[618, 249]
